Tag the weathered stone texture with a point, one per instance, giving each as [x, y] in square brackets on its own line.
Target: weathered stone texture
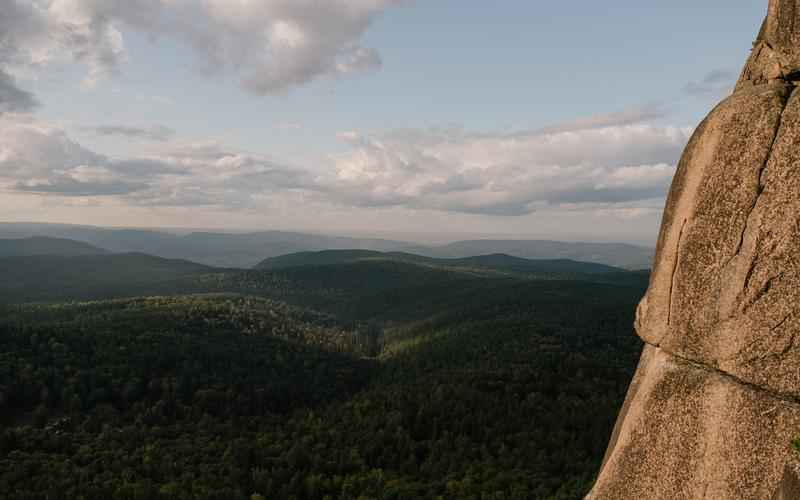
[715, 403]
[776, 51]
[688, 432]
[725, 286]
[714, 189]
[789, 488]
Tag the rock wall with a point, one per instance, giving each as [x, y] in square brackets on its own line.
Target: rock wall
[715, 402]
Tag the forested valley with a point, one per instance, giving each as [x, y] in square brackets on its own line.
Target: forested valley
[374, 378]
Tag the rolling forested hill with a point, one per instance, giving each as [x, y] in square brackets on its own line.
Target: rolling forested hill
[245, 250]
[49, 277]
[371, 377]
[498, 262]
[329, 280]
[614, 254]
[39, 245]
[214, 249]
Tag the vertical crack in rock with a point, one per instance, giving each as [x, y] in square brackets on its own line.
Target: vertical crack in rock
[715, 401]
[761, 189]
[760, 174]
[750, 224]
[675, 264]
[731, 298]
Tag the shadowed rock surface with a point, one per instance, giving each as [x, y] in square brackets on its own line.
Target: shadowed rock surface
[789, 488]
[715, 403]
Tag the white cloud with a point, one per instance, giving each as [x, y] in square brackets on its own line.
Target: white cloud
[32, 149]
[36, 157]
[622, 169]
[614, 161]
[270, 45]
[514, 174]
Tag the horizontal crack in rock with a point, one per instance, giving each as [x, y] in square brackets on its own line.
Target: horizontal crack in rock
[785, 397]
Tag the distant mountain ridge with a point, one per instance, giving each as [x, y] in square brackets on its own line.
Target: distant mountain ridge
[40, 245]
[209, 248]
[350, 281]
[621, 255]
[498, 262]
[249, 249]
[51, 277]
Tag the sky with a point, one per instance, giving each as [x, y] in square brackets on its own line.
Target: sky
[520, 118]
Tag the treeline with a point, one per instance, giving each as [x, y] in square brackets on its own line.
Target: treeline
[159, 360]
[495, 392]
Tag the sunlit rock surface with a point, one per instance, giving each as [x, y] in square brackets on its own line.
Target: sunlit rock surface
[715, 403]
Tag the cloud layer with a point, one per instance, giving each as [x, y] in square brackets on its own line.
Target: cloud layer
[270, 45]
[514, 174]
[36, 157]
[40, 158]
[155, 133]
[608, 162]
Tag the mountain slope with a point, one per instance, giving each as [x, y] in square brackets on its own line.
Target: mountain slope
[498, 262]
[356, 285]
[507, 391]
[94, 276]
[614, 254]
[40, 245]
[396, 290]
[248, 249]
[321, 258]
[242, 250]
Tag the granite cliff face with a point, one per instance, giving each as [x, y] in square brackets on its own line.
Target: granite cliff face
[715, 402]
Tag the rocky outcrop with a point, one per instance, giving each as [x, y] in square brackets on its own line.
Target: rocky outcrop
[689, 432]
[715, 402]
[775, 55]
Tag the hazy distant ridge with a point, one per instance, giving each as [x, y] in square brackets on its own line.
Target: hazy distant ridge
[248, 250]
[40, 245]
[621, 255]
[498, 262]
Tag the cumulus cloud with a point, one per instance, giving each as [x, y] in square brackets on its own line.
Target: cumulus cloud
[34, 33]
[620, 168]
[71, 184]
[717, 82]
[512, 174]
[216, 175]
[155, 133]
[37, 157]
[270, 45]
